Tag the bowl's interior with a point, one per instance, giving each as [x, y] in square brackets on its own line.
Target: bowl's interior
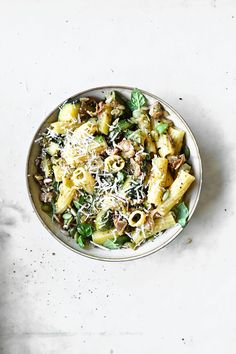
[120, 254]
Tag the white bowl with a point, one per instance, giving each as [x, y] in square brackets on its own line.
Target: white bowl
[150, 246]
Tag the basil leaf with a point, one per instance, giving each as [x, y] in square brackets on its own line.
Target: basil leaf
[136, 136]
[138, 100]
[110, 244]
[121, 240]
[66, 216]
[56, 186]
[121, 126]
[99, 138]
[182, 213]
[161, 127]
[186, 152]
[121, 177]
[80, 241]
[76, 204]
[84, 229]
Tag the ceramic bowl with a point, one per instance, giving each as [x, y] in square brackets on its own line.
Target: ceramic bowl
[147, 248]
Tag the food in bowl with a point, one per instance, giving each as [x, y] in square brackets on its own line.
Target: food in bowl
[113, 172]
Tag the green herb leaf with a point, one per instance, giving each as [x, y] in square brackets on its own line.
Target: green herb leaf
[136, 136]
[84, 229]
[186, 167]
[166, 195]
[186, 152]
[49, 208]
[80, 241]
[78, 203]
[161, 127]
[99, 138]
[138, 100]
[104, 220]
[72, 231]
[56, 186]
[66, 216]
[110, 244]
[121, 177]
[121, 240]
[120, 127]
[182, 213]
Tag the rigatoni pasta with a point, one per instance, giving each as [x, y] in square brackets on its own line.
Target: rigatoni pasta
[176, 191]
[113, 173]
[157, 180]
[137, 218]
[66, 195]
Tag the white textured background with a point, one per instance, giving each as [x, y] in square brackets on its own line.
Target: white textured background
[179, 300]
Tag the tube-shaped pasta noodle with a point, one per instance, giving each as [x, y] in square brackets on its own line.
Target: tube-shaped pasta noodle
[76, 154]
[162, 223]
[97, 145]
[104, 119]
[177, 136]
[62, 127]
[150, 145]
[67, 192]
[169, 179]
[83, 179]
[84, 131]
[177, 190]
[69, 112]
[165, 146]
[155, 135]
[144, 122]
[58, 172]
[138, 236]
[72, 157]
[137, 218]
[157, 180]
[114, 163]
[100, 237]
[96, 164]
[75, 150]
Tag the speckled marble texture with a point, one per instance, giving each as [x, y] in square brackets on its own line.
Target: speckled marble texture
[180, 300]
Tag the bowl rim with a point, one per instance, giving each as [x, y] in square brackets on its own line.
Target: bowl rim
[119, 259]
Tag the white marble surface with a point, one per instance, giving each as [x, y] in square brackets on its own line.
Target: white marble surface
[179, 300]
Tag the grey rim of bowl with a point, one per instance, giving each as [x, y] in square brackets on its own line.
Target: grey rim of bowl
[132, 257]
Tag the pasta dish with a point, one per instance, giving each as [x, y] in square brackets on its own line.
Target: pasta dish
[114, 172]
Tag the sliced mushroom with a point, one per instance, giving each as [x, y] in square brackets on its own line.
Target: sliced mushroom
[88, 107]
[149, 225]
[46, 197]
[135, 167]
[127, 148]
[176, 161]
[120, 224]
